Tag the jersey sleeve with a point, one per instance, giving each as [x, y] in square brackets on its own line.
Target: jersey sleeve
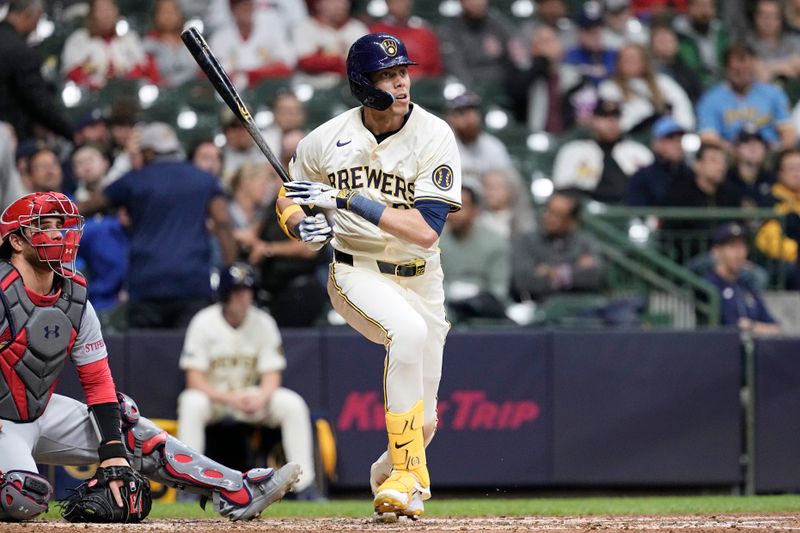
[305, 164]
[270, 356]
[89, 345]
[439, 172]
[194, 355]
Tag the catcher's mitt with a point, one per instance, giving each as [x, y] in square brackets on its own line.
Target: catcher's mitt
[93, 500]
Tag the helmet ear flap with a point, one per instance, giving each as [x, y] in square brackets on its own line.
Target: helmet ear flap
[369, 95]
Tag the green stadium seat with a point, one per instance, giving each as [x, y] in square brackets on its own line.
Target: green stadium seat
[429, 92]
[263, 93]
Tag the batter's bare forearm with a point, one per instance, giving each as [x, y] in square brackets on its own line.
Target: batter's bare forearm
[408, 225]
[294, 219]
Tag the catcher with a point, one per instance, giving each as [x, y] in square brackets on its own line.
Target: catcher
[45, 317]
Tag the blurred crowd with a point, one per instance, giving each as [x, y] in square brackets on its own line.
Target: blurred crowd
[649, 103]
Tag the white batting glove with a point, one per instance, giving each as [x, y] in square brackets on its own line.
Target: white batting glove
[312, 193]
[315, 230]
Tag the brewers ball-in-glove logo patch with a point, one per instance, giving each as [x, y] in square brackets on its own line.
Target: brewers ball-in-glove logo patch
[390, 45]
[443, 177]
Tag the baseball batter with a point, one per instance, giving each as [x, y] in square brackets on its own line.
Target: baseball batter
[391, 171]
[45, 318]
[233, 358]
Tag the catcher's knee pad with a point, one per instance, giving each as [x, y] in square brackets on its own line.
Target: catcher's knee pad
[23, 495]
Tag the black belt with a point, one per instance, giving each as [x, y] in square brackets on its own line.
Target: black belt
[404, 270]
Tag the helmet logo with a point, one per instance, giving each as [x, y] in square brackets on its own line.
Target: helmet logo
[390, 46]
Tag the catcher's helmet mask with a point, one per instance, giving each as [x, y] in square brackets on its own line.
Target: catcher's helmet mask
[56, 243]
[369, 54]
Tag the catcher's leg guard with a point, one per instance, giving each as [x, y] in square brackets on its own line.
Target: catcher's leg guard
[23, 495]
[409, 483]
[158, 455]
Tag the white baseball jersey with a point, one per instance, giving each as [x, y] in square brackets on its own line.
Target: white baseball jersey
[233, 358]
[420, 161]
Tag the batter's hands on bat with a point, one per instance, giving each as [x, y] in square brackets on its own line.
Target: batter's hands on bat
[315, 229]
[312, 193]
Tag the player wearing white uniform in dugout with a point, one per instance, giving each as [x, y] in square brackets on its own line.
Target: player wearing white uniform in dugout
[45, 318]
[392, 172]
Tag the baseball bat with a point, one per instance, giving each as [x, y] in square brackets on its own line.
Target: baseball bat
[224, 87]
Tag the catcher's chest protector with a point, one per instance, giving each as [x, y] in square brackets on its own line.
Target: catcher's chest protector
[40, 339]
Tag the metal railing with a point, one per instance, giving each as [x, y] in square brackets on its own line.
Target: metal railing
[677, 297]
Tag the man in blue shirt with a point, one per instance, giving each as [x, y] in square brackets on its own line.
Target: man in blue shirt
[741, 101]
[169, 202]
[740, 305]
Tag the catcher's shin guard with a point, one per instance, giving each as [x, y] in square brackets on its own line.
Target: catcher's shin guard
[410, 475]
[158, 455]
[23, 495]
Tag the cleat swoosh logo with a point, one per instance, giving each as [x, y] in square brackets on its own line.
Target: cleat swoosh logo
[399, 445]
[340, 143]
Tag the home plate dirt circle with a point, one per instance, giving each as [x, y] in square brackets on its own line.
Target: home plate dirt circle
[628, 524]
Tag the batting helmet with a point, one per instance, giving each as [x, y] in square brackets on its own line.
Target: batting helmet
[56, 246]
[236, 276]
[371, 53]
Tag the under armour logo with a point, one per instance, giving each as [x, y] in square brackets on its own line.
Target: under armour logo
[53, 331]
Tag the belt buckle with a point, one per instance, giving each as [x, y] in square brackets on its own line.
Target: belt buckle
[418, 266]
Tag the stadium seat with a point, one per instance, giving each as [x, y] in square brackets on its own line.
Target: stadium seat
[264, 92]
[429, 92]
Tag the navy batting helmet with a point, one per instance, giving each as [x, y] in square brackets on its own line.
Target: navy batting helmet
[236, 276]
[371, 53]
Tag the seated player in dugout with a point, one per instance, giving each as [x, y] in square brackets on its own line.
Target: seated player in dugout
[46, 318]
[233, 358]
[391, 173]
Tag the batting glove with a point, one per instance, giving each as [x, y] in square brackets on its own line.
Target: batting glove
[312, 193]
[315, 229]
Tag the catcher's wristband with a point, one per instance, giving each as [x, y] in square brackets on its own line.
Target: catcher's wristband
[111, 450]
[369, 210]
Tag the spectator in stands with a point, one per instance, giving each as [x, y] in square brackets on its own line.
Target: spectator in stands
[779, 238]
[593, 62]
[558, 256]
[169, 201]
[239, 147]
[249, 195]
[741, 305]
[649, 186]
[207, 156]
[218, 13]
[777, 50]
[703, 40]
[507, 206]
[708, 188]
[599, 167]
[621, 26]
[289, 142]
[475, 260]
[233, 358]
[536, 89]
[174, 64]
[421, 41]
[792, 16]
[749, 173]
[478, 46]
[741, 100]
[96, 54]
[103, 253]
[551, 14]
[291, 287]
[288, 113]
[655, 8]
[11, 186]
[644, 94]
[250, 50]
[91, 127]
[480, 151]
[666, 60]
[45, 171]
[322, 42]
[25, 98]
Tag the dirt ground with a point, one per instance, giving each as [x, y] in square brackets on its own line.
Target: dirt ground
[709, 524]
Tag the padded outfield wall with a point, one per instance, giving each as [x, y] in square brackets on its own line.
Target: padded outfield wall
[537, 408]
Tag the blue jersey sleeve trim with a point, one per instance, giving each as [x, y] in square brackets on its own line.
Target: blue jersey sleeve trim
[434, 213]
